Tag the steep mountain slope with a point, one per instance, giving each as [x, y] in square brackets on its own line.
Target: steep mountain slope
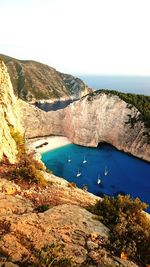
[9, 120]
[36, 81]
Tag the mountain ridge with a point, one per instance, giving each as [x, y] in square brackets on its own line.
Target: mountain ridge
[34, 80]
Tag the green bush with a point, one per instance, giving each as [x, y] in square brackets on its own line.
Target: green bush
[129, 225]
[141, 102]
[29, 169]
[42, 208]
[53, 255]
[19, 140]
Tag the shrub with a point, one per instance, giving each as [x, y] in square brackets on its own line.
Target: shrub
[42, 208]
[19, 140]
[130, 227]
[29, 169]
[53, 255]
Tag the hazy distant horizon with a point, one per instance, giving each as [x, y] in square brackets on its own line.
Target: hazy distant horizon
[79, 36]
[124, 83]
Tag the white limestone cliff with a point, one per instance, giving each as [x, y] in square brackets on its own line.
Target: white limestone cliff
[90, 121]
[9, 117]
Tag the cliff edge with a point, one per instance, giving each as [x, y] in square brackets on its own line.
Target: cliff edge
[9, 120]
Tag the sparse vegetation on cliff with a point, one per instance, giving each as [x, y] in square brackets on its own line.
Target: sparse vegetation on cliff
[141, 102]
[53, 255]
[19, 140]
[29, 169]
[129, 225]
[32, 80]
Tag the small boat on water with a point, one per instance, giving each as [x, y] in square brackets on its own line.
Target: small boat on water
[84, 161]
[98, 180]
[69, 159]
[78, 173]
[106, 171]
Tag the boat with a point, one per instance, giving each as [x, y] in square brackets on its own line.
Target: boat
[106, 171]
[69, 159]
[78, 173]
[84, 161]
[98, 180]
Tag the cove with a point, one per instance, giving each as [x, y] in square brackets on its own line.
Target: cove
[117, 172]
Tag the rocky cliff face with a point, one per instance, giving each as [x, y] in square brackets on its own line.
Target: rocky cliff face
[9, 120]
[106, 118]
[35, 81]
[91, 120]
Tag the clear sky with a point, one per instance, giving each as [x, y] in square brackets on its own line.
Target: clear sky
[79, 36]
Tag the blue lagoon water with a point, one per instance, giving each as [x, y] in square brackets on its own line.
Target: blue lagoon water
[126, 174]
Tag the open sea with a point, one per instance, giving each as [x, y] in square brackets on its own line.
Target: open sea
[125, 84]
[105, 171]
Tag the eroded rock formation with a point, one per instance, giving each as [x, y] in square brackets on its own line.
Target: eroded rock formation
[91, 120]
[9, 119]
[24, 232]
[106, 118]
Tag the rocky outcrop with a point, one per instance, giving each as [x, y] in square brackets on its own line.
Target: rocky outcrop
[65, 231]
[102, 117]
[9, 120]
[37, 122]
[36, 81]
[91, 120]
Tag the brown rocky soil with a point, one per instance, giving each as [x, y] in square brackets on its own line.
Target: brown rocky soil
[75, 233]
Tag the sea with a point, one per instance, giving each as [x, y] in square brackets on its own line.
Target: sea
[103, 170]
[125, 84]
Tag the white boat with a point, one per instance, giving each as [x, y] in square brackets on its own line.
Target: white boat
[69, 159]
[98, 180]
[106, 171]
[84, 161]
[78, 173]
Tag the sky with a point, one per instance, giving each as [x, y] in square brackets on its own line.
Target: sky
[79, 36]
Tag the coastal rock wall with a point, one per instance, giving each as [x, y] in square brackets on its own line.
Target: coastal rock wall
[9, 119]
[91, 120]
[106, 118]
[37, 122]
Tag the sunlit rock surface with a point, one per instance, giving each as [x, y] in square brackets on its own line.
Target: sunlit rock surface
[90, 121]
[9, 116]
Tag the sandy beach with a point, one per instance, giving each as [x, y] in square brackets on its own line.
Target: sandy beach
[44, 144]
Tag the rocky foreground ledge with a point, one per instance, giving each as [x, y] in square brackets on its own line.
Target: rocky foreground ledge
[25, 229]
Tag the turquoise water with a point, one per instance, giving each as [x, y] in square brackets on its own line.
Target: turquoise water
[126, 174]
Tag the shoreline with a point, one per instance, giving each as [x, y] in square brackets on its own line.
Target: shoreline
[44, 144]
